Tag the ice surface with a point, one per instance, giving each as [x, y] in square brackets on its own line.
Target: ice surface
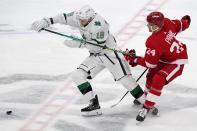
[36, 66]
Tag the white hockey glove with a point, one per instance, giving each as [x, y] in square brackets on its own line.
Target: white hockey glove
[39, 25]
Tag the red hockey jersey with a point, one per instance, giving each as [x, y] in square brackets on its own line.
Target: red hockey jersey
[164, 47]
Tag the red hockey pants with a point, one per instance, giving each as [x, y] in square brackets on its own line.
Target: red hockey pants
[157, 78]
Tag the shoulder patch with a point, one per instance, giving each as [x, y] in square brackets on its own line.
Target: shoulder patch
[97, 23]
[70, 14]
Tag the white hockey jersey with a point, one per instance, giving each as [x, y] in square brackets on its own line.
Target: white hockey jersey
[97, 31]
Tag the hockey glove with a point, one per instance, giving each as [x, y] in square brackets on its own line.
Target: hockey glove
[39, 25]
[187, 18]
[130, 56]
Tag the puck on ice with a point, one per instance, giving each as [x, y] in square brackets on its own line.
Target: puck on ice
[9, 112]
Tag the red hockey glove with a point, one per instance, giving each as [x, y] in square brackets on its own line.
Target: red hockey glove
[130, 56]
[187, 18]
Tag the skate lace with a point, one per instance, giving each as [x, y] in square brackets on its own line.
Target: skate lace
[143, 112]
[90, 103]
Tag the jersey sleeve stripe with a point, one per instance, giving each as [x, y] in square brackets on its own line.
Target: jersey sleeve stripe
[150, 65]
[51, 20]
[181, 24]
[65, 17]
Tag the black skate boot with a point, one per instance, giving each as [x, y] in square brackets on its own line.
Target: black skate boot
[137, 102]
[142, 114]
[93, 108]
[144, 111]
[154, 111]
[140, 100]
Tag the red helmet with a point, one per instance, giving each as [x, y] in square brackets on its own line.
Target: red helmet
[156, 18]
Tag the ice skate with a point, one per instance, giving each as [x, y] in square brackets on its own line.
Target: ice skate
[140, 100]
[93, 109]
[136, 102]
[142, 115]
[154, 111]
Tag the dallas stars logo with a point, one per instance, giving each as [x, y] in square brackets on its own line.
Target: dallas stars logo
[97, 23]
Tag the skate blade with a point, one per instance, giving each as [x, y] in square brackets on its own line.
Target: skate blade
[92, 113]
[138, 123]
[158, 115]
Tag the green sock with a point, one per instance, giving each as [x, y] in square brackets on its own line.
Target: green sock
[137, 92]
[85, 87]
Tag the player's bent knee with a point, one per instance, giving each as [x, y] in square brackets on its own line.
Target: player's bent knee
[79, 76]
[158, 81]
[128, 82]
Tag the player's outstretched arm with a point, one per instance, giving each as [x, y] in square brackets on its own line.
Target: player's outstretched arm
[183, 24]
[63, 18]
[40, 24]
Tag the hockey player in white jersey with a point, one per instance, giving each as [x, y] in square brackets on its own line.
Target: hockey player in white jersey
[95, 29]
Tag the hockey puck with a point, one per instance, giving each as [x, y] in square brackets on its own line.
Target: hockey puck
[9, 112]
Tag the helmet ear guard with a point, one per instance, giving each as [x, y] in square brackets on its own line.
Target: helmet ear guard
[154, 28]
[156, 18]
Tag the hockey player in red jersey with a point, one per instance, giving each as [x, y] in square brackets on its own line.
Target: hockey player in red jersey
[165, 57]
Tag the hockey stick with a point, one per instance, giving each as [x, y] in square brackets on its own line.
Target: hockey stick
[86, 42]
[129, 91]
[104, 47]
